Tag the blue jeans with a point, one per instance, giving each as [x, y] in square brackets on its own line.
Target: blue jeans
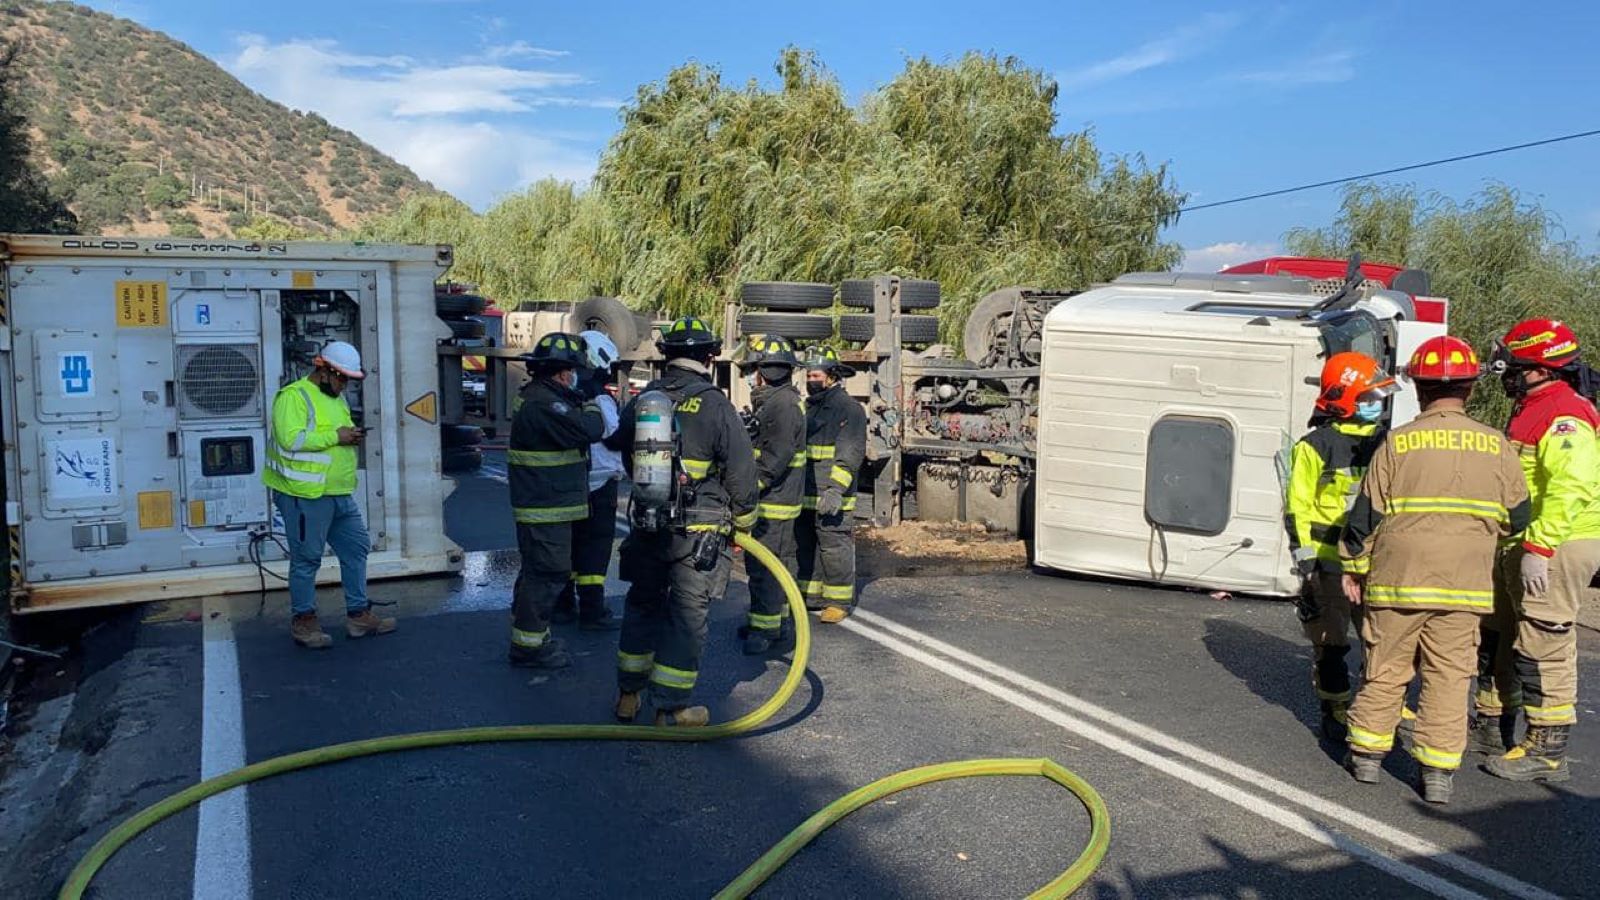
[311, 525]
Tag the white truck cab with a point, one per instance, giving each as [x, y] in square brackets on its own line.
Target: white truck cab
[1168, 404]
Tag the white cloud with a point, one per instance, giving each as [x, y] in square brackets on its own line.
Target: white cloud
[1215, 257]
[519, 49]
[1178, 44]
[1325, 68]
[461, 126]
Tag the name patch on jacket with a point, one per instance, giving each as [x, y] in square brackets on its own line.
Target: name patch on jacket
[1447, 439]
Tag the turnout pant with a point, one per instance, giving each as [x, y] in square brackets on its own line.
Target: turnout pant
[310, 525]
[664, 619]
[827, 559]
[592, 540]
[768, 606]
[1529, 654]
[546, 569]
[1325, 616]
[1398, 642]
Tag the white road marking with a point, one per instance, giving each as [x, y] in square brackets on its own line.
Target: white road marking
[1409, 844]
[222, 840]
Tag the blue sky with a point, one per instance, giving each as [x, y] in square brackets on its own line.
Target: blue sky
[483, 96]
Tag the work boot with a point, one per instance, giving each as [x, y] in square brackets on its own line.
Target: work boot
[601, 621]
[1334, 716]
[1364, 767]
[366, 624]
[833, 615]
[628, 705]
[1488, 736]
[1436, 784]
[563, 614]
[1406, 732]
[308, 633]
[548, 655]
[683, 717]
[758, 642]
[1542, 756]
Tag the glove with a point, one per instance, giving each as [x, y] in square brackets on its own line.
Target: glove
[830, 502]
[1535, 573]
[1305, 563]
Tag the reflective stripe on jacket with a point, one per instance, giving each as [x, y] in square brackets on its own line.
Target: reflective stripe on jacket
[836, 444]
[304, 456]
[1439, 495]
[547, 458]
[780, 450]
[1325, 472]
[1553, 431]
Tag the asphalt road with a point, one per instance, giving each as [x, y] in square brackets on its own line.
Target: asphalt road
[1191, 716]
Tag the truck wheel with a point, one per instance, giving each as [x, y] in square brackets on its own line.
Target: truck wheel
[988, 321]
[453, 436]
[465, 329]
[455, 306]
[914, 330]
[461, 459]
[609, 316]
[796, 326]
[796, 295]
[915, 293]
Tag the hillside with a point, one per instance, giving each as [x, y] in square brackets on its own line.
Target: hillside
[142, 135]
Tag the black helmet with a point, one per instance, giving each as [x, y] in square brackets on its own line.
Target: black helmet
[689, 336]
[557, 350]
[767, 350]
[826, 359]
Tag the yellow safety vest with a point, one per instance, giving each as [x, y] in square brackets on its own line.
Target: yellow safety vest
[304, 456]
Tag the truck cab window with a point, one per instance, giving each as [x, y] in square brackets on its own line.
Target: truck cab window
[1357, 331]
[1188, 482]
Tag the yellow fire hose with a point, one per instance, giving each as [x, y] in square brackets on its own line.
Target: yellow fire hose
[1063, 885]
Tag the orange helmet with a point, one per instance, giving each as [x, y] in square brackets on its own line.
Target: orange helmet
[1542, 343]
[1348, 379]
[1444, 359]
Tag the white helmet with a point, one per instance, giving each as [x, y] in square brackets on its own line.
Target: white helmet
[602, 350]
[342, 358]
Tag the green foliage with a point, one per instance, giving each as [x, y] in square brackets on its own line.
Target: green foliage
[26, 201]
[951, 172]
[183, 224]
[268, 228]
[1498, 257]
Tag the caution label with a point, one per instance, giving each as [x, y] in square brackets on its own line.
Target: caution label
[425, 407]
[303, 280]
[155, 510]
[141, 304]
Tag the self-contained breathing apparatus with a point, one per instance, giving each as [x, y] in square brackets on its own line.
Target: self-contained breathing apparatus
[663, 493]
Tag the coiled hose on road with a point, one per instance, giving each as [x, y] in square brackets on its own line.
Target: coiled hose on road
[750, 879]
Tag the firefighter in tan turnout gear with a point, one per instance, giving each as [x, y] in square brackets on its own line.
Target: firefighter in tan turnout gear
[1440, 494]
[1324, 473]
[778, 433]
[836, 445]
[1529, 656]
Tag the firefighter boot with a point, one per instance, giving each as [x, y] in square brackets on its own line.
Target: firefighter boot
[758, 641]
[834, 615]
[1364, 767]
[1334, 713]
[548, 655]
[1542, 756]
[308, 633]
[1488, 736]
[628, 705]
[565, 609]
[367, 624]
[1436, 784]
[683, 717]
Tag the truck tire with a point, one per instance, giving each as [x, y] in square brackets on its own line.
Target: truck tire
[609, 316]
[465, 329]
[987, 320]
[795, 295]
[915, 293]
[795, 326]
[914, 330]
[456, 306]
[461, 459]
[453, 436]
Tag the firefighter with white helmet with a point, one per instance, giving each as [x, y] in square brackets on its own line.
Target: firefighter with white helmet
[584, 600]
[1528, 658]
[1439, 495]
[311, 470]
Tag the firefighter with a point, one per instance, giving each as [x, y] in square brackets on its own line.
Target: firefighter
[836, 444]
[778, 431]
[583, 600]
[676, 572]
[549, 470]
[311, 471]
[1325, 472]
[1439, 494]
[1529, 652]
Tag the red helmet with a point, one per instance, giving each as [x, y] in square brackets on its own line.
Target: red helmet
[1545, 343]
[1444, 358]
[1348, 379]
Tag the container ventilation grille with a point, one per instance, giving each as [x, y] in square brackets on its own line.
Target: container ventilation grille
[218, 381]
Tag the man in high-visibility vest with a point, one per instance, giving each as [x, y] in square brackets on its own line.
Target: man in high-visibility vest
[549, 473]
[1529, 654]
[311, 471]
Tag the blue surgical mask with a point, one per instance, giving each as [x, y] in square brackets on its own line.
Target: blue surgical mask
[1369, 410]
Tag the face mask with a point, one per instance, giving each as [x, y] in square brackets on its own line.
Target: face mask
[751, 380]
[815, 387]
[1513, 383]
[1369, 410]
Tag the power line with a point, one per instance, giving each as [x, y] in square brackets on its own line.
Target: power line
[1381, 172]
